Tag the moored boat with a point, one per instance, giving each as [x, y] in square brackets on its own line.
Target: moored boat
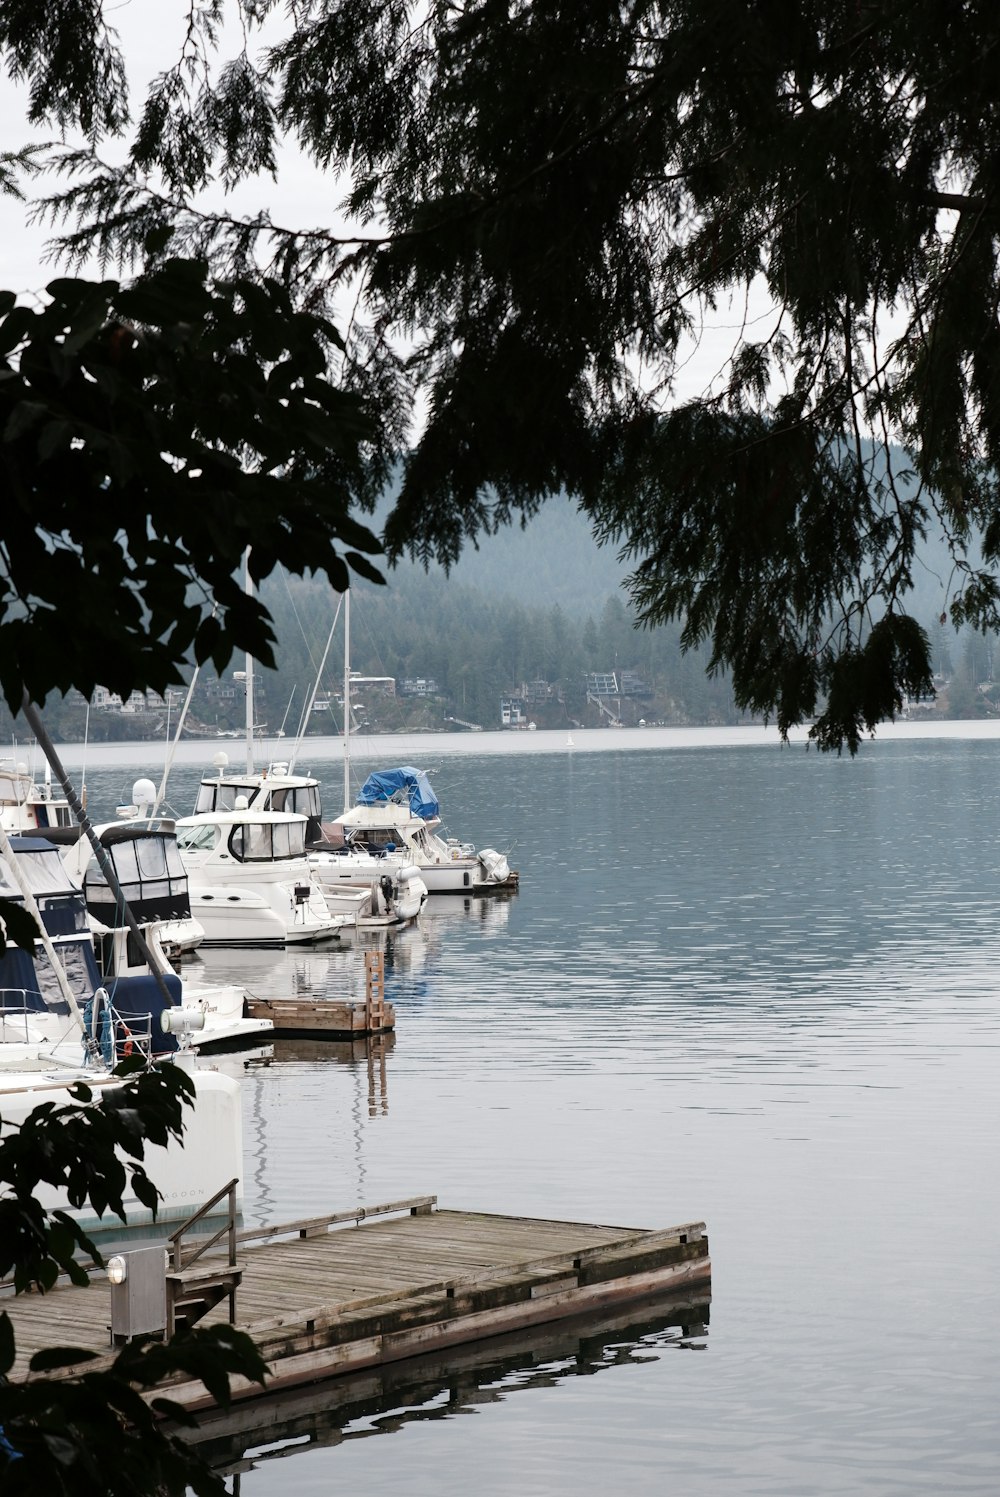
[27, 807]
[397, 809]
[85, 949]
[250, 882]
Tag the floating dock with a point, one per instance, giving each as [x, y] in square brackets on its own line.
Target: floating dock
[329, 1018]
[321, 1018]
[346, 1293]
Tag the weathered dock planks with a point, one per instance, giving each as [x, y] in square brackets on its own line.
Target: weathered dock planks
[321, 1017]
[322, 1298]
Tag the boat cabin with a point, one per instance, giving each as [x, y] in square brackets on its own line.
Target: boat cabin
[28, 980]
[275, 790]
[244, 835]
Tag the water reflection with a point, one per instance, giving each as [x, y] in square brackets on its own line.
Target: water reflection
[249, 1440]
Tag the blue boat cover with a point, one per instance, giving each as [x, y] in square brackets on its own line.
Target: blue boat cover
[399, 785]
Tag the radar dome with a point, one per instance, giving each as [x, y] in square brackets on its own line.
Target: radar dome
[143, 793]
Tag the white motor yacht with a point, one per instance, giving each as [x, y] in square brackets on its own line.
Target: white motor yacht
[396, 809]
[250, 882]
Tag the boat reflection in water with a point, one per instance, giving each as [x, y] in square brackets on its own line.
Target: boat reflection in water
[391, 1397]
[491, 916]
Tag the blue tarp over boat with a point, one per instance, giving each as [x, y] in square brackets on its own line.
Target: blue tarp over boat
[400, 784]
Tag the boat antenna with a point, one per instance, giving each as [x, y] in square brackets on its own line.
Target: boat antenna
[105, 864]
[304, 720]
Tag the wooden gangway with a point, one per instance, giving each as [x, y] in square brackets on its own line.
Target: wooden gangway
[376, 1285]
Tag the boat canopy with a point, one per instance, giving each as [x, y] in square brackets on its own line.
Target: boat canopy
[401, 785]
[149, 870]
[60, 902]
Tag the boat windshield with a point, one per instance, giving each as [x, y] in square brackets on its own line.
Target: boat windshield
[264, 842]
[148, 867]
[198, 838]
[379, 836]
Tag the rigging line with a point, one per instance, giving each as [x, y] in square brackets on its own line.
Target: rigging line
[172, 750]
[307, 709]
[295, 613]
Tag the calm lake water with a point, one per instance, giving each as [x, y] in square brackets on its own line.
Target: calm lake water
[740, 983]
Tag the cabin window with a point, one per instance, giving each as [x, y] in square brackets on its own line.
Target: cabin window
[213, 795]
[259, 842]
[301, 800]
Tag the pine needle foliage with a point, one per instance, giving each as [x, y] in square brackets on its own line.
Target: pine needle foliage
[547, 199]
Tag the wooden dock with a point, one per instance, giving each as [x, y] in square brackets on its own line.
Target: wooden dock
[346, 1293]
[321, 1018]
[329, 1018]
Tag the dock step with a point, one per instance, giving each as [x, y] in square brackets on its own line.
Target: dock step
[194, 1292]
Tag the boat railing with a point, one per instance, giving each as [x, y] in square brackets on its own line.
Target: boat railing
[124, 1036]
[134, 1036]
[15, 1016]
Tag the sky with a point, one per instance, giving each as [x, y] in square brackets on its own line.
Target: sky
[151, 33]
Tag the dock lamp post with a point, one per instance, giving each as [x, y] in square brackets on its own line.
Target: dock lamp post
[138, 1282]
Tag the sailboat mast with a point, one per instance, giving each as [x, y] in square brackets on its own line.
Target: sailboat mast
[347, 699]
[248, 587]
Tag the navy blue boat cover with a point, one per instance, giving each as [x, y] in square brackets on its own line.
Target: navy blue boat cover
[386, 785]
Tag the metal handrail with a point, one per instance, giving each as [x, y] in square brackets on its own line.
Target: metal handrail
[176, 1237]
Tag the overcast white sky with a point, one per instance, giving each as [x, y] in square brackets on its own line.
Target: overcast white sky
[151, 32]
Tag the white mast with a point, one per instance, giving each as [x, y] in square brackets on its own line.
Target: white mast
[347, 700]
[249, 590]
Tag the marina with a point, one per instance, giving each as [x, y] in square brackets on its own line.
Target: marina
[739, 984]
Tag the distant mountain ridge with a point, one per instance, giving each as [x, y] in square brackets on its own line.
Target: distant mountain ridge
[553, 559]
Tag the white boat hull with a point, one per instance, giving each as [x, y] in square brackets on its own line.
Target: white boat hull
[232, 916]
[186, 1177]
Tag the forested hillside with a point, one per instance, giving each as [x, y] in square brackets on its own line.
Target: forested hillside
[542, 603]
[554, 559]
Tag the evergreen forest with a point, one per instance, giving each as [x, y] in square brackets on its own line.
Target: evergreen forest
[542, 602]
